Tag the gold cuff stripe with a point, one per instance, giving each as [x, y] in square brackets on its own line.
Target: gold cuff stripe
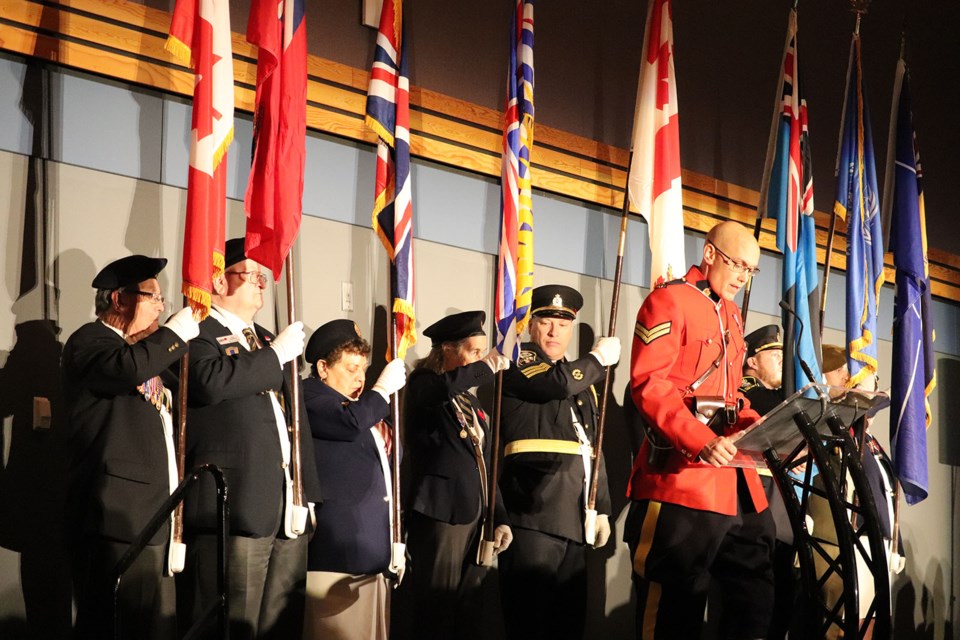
[649, 335]
[542, 446]
[536, 369]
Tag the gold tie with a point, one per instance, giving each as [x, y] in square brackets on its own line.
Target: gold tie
[251, 338]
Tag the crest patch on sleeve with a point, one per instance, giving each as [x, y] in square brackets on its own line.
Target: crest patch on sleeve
[526, 357]
[648, 335]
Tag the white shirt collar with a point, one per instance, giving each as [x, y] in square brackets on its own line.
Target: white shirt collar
[230, 320]
[114, 329]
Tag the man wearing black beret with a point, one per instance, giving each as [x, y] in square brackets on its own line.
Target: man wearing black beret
[121, 448]
[239, 399]
[549, 424]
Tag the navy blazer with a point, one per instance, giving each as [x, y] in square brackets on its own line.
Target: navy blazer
[353, 523]
[445, 475]
[119, 472]
[231, 423]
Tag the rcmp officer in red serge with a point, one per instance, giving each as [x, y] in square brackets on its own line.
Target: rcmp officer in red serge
[549, 419]
[123, 464]
[691, 517]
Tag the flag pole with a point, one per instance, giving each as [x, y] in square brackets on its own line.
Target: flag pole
[611, 330]
[745, 307]
[489, 525]
[295, 462]
[396, 531]
[178, 550]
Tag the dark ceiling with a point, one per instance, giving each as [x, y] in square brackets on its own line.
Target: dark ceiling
[727, 63]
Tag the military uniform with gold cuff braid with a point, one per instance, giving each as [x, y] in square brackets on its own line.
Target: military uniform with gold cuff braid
[549, 420]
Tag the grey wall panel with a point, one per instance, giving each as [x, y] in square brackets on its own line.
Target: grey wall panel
[455, 208]
[338, 180]
[16, 131]
[108, 127]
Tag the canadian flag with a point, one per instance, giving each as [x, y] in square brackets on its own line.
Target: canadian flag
[654, 178]
[200, 37]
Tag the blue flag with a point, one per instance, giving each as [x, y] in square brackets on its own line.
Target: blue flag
[786, 194]
[858, 203]
[914, 375]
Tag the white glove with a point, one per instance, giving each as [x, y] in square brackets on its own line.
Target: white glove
[289, 344]
[391, 379]
[183, 324]
[897, 563]
[496, 362]
[603, 530]
[607, 351]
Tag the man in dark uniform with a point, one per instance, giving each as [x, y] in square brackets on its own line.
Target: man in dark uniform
[239, 398]
[763, 369]
[121, 448]
[691, 516]
[549, 425]
[762, 377]
[450, 450]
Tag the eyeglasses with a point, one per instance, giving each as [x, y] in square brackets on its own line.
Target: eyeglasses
[155, 297]
[253, 277]
[733, 265]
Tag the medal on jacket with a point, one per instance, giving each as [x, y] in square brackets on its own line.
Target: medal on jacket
[152, 392]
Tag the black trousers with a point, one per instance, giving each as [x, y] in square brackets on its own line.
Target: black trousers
[677, 550]
[147, 599]
[443, 578]
[543, 587]
[267, 580]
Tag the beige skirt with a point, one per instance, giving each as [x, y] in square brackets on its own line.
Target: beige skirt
[341, 606]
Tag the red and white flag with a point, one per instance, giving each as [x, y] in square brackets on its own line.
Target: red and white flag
[654, 178]
[200, 37]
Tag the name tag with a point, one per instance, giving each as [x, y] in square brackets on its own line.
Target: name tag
[227, 339]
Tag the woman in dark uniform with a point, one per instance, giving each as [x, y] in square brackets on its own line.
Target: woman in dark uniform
[347, 595]
[449, 447]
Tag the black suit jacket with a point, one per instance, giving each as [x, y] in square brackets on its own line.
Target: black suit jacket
[119, 472]
[445, 475]
[353, 523]
[545, 491]
[231, 423]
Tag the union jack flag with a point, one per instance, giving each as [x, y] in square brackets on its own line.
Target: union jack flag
[515, 264]
[388, 114]
[786, 194]
[858, 203]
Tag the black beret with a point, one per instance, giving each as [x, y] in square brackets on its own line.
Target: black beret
[834, 357]
[233, 252]
[456, 327]
[328, 337]
[127, 271]
[764, 338]
[556, 301]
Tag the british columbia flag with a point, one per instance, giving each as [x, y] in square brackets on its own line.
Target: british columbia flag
[515, 263]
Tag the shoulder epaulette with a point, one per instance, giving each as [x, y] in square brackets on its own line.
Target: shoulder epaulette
[748, 383]
[670, 282]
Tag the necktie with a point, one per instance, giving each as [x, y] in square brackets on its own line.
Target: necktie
[251, 337]
[387, 434]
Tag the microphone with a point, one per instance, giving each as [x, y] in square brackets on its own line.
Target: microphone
[803, 365]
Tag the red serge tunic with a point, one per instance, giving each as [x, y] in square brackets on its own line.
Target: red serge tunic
[682, 328]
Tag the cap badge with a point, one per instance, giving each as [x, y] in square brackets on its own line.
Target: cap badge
[557, 301]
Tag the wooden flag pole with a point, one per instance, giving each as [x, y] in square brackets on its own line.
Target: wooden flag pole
[396, 532]
[296, 463]
[485, 558]
[611, 330]
[745, 307]
[176, 561]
